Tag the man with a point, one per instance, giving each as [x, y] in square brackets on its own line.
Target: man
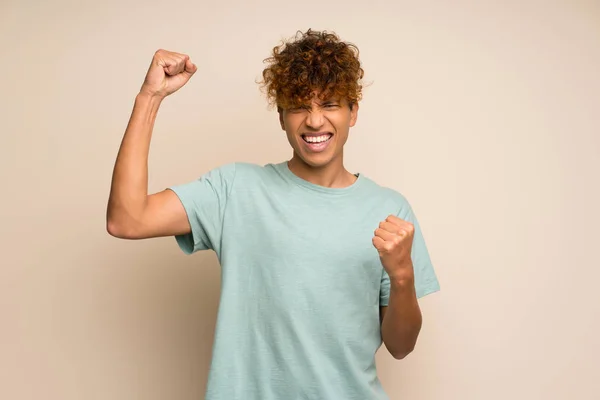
[319, 265]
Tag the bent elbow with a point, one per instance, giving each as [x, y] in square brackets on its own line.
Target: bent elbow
[118, 229]
[400, 355]
[401, 352]
[113, 228]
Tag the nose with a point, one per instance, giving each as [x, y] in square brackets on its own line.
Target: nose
[315, 119]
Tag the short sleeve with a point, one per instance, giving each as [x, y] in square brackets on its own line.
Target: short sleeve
[426, 281]
[205, 201]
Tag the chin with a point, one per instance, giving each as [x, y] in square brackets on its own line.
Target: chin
[317, 160]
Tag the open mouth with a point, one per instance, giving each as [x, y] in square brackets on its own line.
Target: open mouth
[317, 143]
[311, 139]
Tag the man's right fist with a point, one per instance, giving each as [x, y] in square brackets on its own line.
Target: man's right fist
[168, 72]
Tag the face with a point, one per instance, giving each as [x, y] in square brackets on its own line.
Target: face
[318, 132]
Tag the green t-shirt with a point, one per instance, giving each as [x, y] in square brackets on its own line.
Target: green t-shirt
[301, 281]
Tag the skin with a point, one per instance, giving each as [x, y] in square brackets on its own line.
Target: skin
[133, 213]
[401, 319]
[333, 116]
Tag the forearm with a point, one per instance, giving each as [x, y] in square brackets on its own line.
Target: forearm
[402, 321]
[129, 187]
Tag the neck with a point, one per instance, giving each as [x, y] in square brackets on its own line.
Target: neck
[332, 175]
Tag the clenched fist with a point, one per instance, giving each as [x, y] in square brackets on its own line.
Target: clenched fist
[393, 240]
[168, 72]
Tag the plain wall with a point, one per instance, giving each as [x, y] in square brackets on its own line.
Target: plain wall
[485, 115]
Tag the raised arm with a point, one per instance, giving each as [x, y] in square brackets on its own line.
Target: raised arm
[132, 213]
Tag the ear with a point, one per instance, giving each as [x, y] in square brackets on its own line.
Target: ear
[280, 111]
[353, 113]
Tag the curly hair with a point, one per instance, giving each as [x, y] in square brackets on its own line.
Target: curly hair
[315, 62]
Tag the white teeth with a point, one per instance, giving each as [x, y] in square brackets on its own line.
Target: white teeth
[317, 139]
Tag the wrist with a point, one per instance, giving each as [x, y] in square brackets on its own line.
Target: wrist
[152, 98]
[401, 275]
[148, 103]
[402, 282]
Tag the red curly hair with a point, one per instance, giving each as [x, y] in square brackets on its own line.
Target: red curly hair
[315, 62]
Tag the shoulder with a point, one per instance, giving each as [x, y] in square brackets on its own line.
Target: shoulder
[243, 173]
[249, 172]
[231, 170]
[390, 197]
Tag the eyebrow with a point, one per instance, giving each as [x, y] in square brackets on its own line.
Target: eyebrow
[308, 106]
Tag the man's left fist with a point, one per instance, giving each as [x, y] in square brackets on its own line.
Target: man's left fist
[393, 240]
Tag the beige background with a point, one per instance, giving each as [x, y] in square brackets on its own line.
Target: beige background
[484, 114]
